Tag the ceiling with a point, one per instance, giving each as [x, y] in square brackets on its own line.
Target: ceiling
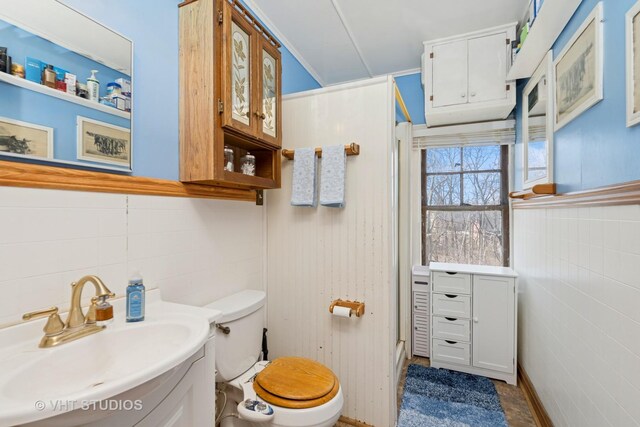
[344, 40]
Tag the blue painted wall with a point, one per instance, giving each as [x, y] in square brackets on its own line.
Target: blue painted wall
[295, 78]
[597, 149]
[153, 27]
[413, 94]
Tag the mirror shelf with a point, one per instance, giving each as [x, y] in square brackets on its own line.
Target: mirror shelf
[26, 84]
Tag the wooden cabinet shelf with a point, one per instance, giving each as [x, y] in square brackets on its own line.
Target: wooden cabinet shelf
[230, 95]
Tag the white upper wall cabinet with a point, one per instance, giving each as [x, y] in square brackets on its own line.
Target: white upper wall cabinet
[449, 74]
[465, 77]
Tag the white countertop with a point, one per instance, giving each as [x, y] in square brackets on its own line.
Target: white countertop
[486, 270]
[420, 270]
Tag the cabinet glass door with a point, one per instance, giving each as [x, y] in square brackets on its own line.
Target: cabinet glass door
[269, 91]
[237, 63]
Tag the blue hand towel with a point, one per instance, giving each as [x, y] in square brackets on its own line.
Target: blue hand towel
[303, 187]
[334, 163]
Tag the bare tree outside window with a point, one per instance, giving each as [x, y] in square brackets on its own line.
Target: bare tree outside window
[465, 209]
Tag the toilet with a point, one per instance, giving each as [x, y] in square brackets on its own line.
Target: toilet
[286, 392]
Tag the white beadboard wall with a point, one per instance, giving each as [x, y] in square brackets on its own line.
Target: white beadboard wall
[316, 255]
[580, 311]
[194, 250]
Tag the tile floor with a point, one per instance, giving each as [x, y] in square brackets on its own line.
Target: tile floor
[512, 399]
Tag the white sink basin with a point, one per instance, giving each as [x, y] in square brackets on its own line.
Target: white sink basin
[96, 367]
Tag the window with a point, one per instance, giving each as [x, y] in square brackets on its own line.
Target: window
[465, 208]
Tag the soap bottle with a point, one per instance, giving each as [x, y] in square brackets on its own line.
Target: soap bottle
[93, 85]
[135, 298]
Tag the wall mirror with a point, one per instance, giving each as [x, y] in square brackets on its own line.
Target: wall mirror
[65, 86]
[537, 125]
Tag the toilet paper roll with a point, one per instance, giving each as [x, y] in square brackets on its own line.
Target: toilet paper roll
[341, 311]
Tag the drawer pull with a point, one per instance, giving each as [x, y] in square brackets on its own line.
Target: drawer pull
[451, 296]
[451, 319]
[421, 283]
[451, 272]
[451, 342]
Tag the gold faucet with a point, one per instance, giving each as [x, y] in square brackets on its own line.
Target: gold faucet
[77, 325]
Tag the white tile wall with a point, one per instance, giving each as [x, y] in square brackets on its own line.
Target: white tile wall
[580, 311]
[194, 250]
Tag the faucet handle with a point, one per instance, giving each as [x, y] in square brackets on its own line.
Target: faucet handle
[54, 324]
[40, 313]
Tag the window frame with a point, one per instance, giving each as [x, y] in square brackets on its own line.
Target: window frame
[504, 206]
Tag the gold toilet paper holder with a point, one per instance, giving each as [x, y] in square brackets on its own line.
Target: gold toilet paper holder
[355, 306]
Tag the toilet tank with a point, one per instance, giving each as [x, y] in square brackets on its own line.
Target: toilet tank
[237, 351]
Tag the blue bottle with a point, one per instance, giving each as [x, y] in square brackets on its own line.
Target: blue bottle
[135, 299]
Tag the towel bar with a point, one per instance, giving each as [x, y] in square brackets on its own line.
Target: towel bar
[352, 149]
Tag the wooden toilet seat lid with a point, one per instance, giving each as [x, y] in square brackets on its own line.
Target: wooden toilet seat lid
[296, 382]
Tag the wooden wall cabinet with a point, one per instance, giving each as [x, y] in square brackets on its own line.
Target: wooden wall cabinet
[230, 95]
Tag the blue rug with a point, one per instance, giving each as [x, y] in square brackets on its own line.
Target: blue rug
[443, 398]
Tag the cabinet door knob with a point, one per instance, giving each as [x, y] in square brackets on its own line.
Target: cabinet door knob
[475, 320]
[415, 306]
[473, 94]
[464, 95]
[260, 115]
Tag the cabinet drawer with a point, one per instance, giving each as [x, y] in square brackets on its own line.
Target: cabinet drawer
[455, 283]
[451, 328]
[451, 352]
[451, 305]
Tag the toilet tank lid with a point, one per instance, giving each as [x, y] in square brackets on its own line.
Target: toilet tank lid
[238, 305]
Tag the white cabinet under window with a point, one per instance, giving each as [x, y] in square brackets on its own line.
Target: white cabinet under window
[473, 319]
[465, 77]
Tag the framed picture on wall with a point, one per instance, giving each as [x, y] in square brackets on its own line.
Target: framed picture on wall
[633, 65]
[579, 70]
[25, 139]
[104, 143]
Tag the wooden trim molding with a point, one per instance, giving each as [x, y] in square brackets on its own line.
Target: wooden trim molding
[16, 174]
[627, 193]
[535, 191]
[352, 422]
[540, 415]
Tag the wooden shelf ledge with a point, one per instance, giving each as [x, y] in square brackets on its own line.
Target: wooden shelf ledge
[27, 175]
[535, 191]
[627, 193]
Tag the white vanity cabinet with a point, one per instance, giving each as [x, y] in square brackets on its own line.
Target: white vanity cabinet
[473, 319]
[465, 77]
